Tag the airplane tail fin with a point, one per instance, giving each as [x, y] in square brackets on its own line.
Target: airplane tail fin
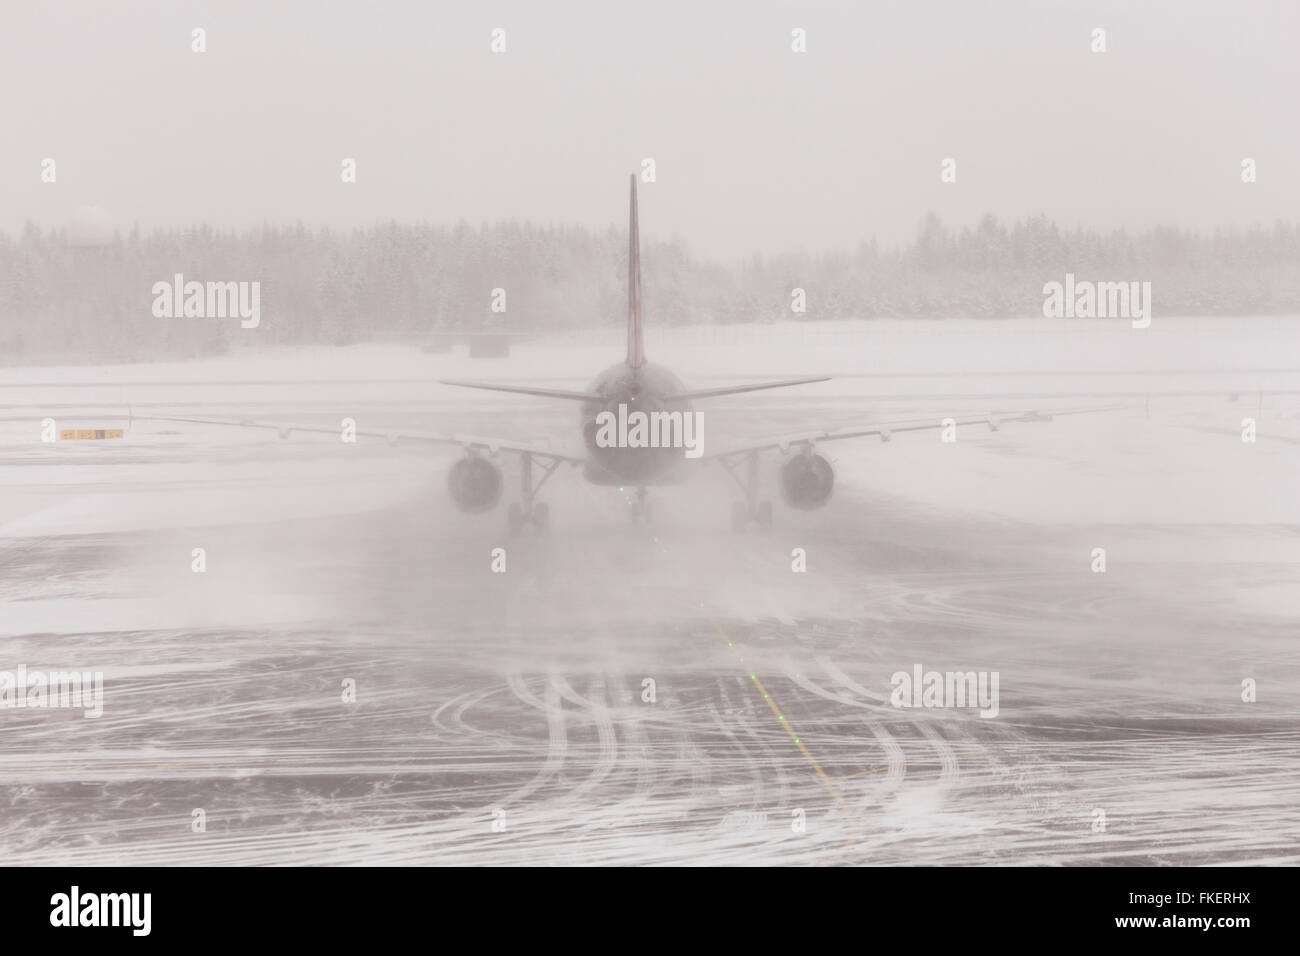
[635, 338]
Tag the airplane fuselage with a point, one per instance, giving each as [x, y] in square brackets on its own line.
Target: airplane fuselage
[638, 426]
[643, 389]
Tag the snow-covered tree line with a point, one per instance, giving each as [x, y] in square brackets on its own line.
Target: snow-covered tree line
[61, 300]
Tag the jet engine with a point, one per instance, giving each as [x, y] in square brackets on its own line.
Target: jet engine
[475, 484]
[806, 481]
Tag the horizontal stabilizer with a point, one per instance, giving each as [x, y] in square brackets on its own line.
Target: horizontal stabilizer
[736, 389]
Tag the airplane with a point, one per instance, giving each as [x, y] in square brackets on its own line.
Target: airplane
[476, 481]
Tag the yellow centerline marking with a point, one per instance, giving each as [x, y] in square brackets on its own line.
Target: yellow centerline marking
[798, 742]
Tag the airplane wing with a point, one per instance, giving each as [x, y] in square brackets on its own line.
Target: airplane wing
[885, 431]
[527, 390]
[476, 442]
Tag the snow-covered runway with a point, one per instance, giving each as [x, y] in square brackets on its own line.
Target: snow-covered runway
[664, 694]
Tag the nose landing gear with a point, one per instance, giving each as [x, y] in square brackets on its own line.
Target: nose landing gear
[641, 508]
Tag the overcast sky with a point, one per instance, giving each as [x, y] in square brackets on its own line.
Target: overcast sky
[758, 149]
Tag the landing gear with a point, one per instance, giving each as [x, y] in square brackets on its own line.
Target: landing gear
[530, 511]
[743, 514]
[539, 518]
[641, 509]
[751, 510]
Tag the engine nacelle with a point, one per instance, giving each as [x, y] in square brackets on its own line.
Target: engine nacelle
[475, 484]
[807, 481]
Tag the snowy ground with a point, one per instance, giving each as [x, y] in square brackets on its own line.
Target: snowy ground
[522, 692]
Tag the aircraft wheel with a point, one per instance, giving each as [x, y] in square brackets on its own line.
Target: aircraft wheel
[514, 518]
[542, 517]
[764, 515]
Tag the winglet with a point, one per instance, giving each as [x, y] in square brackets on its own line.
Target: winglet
[635, 340]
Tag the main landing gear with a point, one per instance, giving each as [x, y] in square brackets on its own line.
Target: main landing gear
[751, 511]
[529, 510]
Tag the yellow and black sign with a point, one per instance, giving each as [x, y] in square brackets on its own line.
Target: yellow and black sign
[85, 434]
